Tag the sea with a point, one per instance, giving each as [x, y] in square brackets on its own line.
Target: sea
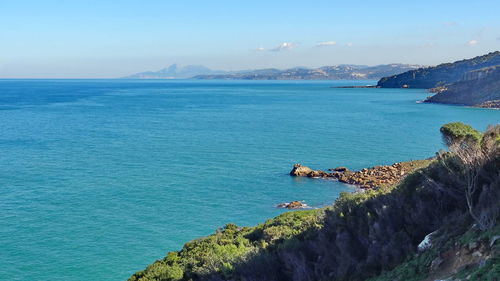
[99, 178]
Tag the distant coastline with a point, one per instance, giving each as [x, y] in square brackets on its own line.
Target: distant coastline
[336, 72]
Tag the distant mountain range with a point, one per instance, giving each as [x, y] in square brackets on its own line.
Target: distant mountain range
[175, 72]
[339, 72]
[473, 81]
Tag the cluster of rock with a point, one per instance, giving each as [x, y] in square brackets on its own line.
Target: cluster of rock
[366, 178]
[300, 171]
[293, 205]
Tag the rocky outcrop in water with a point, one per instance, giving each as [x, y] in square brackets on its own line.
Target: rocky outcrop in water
[373, 177]
[292, 205]
[300, 171]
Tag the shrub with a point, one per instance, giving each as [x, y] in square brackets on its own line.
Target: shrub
[458, 132]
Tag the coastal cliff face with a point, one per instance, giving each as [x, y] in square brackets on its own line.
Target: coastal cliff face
[477, 88]
[474, 82]
[430, 77]
[372, 234]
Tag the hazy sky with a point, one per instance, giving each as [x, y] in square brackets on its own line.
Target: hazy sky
[113, 38]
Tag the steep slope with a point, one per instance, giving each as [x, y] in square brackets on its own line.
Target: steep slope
[472, 255]
[476, 88]
[440, 75]
[364, 235]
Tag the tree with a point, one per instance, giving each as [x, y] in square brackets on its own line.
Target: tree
[473, 152]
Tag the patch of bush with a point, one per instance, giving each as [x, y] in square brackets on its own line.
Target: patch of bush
[458, 131]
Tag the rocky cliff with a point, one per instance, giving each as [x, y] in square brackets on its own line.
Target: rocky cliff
[440, 75]
[477, 88]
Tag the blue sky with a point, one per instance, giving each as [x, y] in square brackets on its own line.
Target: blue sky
[107, 38]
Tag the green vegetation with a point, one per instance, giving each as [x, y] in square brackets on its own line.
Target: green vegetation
[371, 234]
[458, 132]
[230, 245]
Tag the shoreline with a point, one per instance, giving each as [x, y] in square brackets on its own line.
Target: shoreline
[367, 178]
[381, 176]
[494, 104]
[355, 87]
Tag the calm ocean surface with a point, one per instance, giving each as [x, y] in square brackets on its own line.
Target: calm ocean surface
[99, 178]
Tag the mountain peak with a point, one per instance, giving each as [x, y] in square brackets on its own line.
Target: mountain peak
[174, 71]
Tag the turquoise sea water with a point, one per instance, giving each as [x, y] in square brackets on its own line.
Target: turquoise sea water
[98, 178]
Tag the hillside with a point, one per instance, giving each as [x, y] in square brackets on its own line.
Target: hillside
[478, 88]
[441, 221]
[340, 72]
[440, 75]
